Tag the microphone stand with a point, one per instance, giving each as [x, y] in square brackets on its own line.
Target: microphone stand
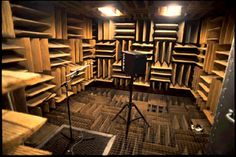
[72, 141]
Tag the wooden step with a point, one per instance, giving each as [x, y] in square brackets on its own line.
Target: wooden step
[38, 89]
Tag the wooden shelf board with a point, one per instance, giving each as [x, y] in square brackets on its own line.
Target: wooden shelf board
[204, 87]
[145, 84]
[42, 78]
[182, 61]
[119, 70]
[105, 56]
[74, 28]
[78, 67]
[164, 66]
[88, 56]
[86, 45]
[87, 50]
[105, 44]
[166, 24]
[200, 64]
[160, 79]
[39, 99]
[63, 97]
[183, 54]
[223, 52]
[121, 76]
[38, 89]
[143, 45]
[206, 78]
[176, 86]
[26, 22]
[23, 9]
[26, 150]
[145, 52]
[12, 59]
[209, 116]
[185, 46]
[125, 24]
[27, 33]
[202, 95]
[17, 127]
[221, 62]
[116, 64]
[104, 80]
[165, 38]
[124, 30]
[160, 73]
[57, 45]
[219, 73]
[88, 82]
[124, 37]
[59, 62]
[75, 35]
[201, 56]
[73, 82]
[10, 47]
[58, 55]
[111, 51]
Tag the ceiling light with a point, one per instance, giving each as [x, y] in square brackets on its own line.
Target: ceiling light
[171, 10]
[109, 11]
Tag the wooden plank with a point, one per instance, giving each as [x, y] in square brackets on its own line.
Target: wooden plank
[7, 21]
[156, 51]
[33, 34]
[26, 150]
[37, 55]
[169, 52]
[144, 31]
[104, 68]
[109, 68]
[39, 99]
[187, 76]
[63, 77]
[58, 23]
[99, 67]
[100, 30]
[38, 89]
[45, 55]
[80, 48]
[147, 72]
[163, 52]
[64, 24]
[151, 31]
[19, 100]
[137, 31]
[73, 50]
[105, 30]
[129, 45]
[180, 75]
[16, 127]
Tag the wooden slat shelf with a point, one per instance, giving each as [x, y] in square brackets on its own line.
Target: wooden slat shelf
[26, 150]
[125, 24]
[74, 28]
[204, 87]
[62, 97]
[38, 89]
[58, 55]
[39, 99]
[176, 86]
[160, 79]
[150, 52]
[111, 51]
[145, 84]
[221, 62]
[88, 82]
[42, 78]
[209, 116]
[57, 45]
[165, 32]
[19, 9]
[78, 67]
[22, 33]
[202, 95]
[104, 80]
[223, 52]
[105, 56]
[29, 23]
[12, 59]
[185, 46]
[219, 73]
[121, 76]
[124, 37]
[143, 45]
[163, 66]
[206, 78]
[182, 61]
[124, 30]
[16, 127]
[166, 25]
[214, 29]
[118, 70]
[12, 80]
[59, 62]
[160, 73]
[165, 38]
[86, 45]
[183, 54]
[75, 35]
[105, 44]
[76, 81]
[10, 47]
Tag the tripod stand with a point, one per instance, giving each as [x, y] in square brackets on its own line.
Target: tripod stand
[130, 105]
[72, 141]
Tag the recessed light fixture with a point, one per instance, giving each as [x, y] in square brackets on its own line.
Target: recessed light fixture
[109, 11]
[171, 10]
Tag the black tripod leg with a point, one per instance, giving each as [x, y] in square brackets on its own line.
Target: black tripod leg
[141, 115]
[119, 112]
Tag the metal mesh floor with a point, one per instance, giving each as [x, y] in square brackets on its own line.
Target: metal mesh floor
[58, 144]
